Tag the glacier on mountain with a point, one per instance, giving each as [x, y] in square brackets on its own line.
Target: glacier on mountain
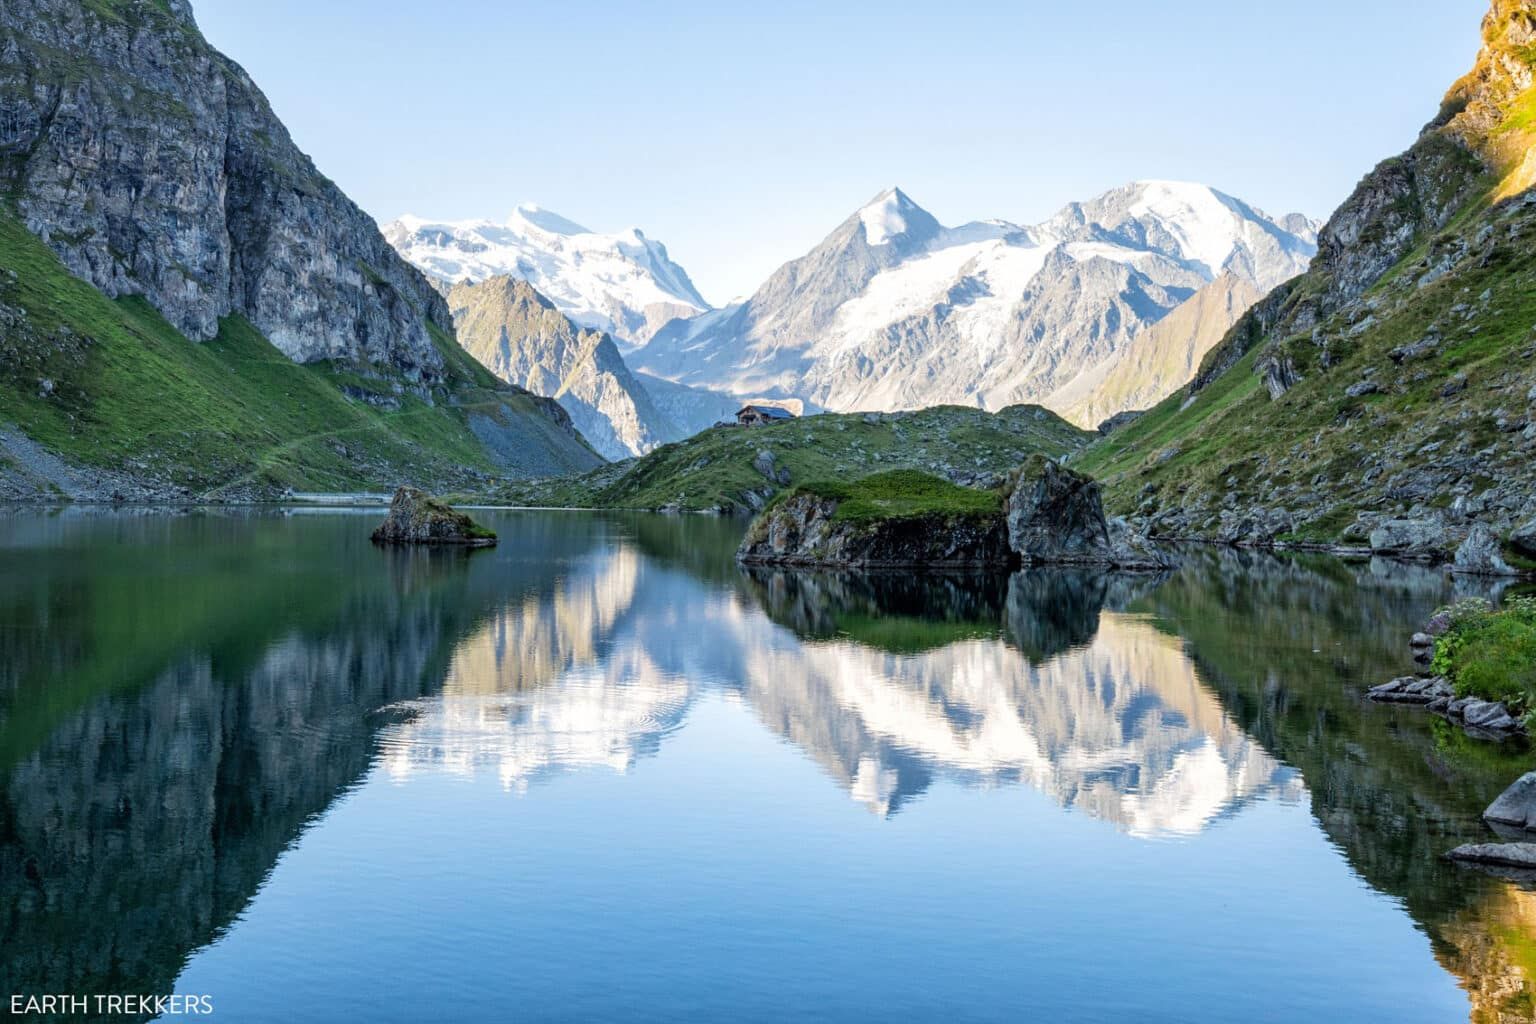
[625, 283]
[895, 311]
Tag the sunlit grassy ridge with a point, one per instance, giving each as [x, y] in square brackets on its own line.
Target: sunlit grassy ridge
[1403, 361]
[1327, 454]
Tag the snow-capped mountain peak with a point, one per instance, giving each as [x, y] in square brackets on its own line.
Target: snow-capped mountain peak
[1204, 228]
[546, 220]
[623, 283]
[894, 311]
[886, 216]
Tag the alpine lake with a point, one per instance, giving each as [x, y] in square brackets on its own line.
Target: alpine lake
[602, 773]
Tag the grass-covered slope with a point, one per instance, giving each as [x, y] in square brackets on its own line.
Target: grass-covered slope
[901, 494]
[109, 385]
[742, 468]
[1397, 377]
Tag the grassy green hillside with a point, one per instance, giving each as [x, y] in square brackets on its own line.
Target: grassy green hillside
[1397, 378]
[742, 468]
[109, 384]
[1378, 421]
[902, 494]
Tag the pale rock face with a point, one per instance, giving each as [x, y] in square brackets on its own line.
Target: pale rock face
[164, 173]
[522, 338]
[624, 283]
[895, 311]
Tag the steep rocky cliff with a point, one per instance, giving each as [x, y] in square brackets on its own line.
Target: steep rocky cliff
[1393, 382]
[153, 165]
[138, 159]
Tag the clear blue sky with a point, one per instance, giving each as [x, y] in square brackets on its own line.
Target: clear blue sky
[740, 134]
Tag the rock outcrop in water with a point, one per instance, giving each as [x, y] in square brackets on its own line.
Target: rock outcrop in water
[415, 517]
[1056, 517]
[892, 520]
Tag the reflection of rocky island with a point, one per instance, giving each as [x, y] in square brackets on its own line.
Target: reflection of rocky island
[1111, 719]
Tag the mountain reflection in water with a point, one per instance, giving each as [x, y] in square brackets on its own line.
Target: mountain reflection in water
[181, 697]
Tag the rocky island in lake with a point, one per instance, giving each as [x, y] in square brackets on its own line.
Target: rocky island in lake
[900, 519]
[1045, 515]
[416, 517]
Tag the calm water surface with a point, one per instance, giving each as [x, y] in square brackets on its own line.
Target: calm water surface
[600, 773]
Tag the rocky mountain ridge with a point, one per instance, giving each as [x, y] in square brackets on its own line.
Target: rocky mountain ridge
[189, 310]
[521, 337]
[1385, 399]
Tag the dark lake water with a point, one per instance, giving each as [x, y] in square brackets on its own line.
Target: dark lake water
[599, 773]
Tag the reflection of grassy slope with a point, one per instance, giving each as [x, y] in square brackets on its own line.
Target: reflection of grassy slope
[715, 469]
[898, 613]
[123, 622]
[1393, 787]
[132, 393]
[900, 635]
[119, 614]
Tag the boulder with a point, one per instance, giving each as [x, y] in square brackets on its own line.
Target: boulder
[1412, 690]
[1118, 420]
[416, 517]
[1489, 715]
[1278, 374]
[1509, 855]
[1481, 554]
[1409, 538]
[1056, 517]
[1523, 539]
[1516, 806]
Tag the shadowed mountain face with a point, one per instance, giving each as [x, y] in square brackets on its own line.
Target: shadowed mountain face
[151, 778]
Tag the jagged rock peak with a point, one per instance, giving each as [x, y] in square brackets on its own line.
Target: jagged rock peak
[1477, 108]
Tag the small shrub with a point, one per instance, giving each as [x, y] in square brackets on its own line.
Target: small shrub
[1491, 654]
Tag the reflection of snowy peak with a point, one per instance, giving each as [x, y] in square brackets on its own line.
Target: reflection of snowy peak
[623, 283]
[1108, 717]
[894, 311]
